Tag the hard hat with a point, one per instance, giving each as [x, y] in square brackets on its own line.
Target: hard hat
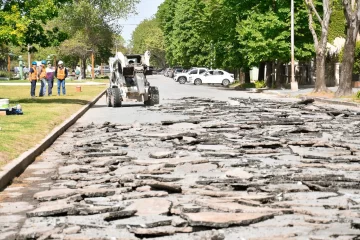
[34, 63]
[60, 62]
[43, 62]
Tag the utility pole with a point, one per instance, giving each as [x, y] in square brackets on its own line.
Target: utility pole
[294, 84]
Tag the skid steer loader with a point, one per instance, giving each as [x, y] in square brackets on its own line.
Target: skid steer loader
[128, 81]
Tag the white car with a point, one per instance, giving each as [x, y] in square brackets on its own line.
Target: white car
[213, 77]
[182, 78]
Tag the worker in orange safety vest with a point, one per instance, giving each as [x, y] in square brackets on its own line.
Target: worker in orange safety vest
[61, 73]
[42, 77]
[33, 77]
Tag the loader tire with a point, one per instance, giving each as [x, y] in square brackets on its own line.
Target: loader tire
[116, 98]
[108, 97]
[154, 97]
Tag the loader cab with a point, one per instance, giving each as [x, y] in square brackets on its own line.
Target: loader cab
[134, 59]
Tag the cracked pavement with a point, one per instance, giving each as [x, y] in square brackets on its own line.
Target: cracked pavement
[207, 163]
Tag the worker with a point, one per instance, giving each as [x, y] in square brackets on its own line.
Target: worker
[50, 72]
[42, 77]
[61, 73]
[33, 77]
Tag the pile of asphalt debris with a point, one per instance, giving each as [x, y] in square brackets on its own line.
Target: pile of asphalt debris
[237, 169]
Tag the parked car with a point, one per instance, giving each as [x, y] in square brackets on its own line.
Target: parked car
[213, 77]
[177, 71]
[105, 69]
[174, 71]
[182, 78]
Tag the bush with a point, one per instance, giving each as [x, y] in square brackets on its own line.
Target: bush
[356, 69]
[247, 85]
[5, 74]
[358, 95]
[102, 76]
[260, 84]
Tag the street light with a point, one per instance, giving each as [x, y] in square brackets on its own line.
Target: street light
[294, 84]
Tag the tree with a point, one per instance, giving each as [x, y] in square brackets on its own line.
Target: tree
[22, 22]
[352, 14]
[149, 36]
[88, 22]
[337, 27]
[264, 36]
[165, 16]
[319, 43]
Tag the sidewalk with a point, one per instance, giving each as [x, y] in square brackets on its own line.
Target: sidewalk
[304, 90]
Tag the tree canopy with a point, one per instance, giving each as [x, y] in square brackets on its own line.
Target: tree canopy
[149, 36]
[22, 22]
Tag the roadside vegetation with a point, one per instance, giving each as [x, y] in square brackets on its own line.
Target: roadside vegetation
[21, 132]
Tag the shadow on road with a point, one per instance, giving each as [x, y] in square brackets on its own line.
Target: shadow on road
[52, 100]
[122, 106]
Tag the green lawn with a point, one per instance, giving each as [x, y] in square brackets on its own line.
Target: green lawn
[41, 115]
[68, 81]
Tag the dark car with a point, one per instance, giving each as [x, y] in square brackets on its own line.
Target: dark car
[175, 71]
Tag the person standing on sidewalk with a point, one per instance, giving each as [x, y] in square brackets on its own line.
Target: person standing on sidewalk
[61, 73]
[33, 77]
[42, 77]
[50, 72]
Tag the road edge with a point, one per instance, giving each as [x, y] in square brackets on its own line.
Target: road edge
[335, 102]
[318, 99]
[19, 164]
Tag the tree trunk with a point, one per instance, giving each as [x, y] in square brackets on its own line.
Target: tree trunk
[352, 18]
[320, 85]
[320, 45]
[83, 68]
[247, 75]
[278, 81]
[261, 71]
[269, 71]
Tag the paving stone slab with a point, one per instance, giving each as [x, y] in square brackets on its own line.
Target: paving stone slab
[52, 210]
[54, 194]
[144, 221]
[285, 188]
[93, 192]
[119, 215]
[222, 220]
[160, 231]
[150, 206]
[163, 154]
[238, 173]
[169, 187]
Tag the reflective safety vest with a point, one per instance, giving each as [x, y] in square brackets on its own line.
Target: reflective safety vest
[33, 75]
[60, 74]
[43, 72]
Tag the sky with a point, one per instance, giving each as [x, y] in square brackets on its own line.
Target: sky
[145, 9]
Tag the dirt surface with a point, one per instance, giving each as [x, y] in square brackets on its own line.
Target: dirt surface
[200, 168]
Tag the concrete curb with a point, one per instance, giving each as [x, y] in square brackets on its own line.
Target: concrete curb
[320, 100]
[335, 102]
[18, 165]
